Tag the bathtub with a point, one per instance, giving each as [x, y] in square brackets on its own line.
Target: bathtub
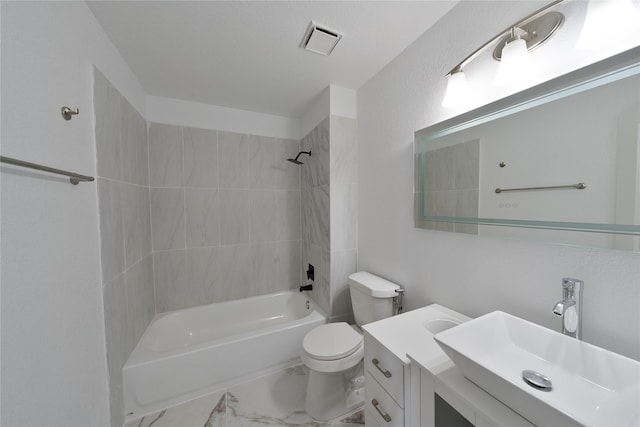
[187, 353]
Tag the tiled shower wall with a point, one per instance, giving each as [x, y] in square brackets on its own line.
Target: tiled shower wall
[225, 215]
[329, 197]
[192, 216]
[216, 213]
[125, 230]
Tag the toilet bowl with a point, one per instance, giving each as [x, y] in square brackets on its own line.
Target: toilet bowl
[334, 352]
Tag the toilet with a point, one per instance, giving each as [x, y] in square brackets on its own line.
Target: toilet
[334, 352]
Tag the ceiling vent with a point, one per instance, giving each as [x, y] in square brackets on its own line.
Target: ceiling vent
[320, 39]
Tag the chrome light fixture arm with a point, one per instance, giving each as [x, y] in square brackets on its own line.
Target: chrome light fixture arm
[535, 29]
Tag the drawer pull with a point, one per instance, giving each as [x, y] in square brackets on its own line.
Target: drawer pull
[385, 416]
[376, 363]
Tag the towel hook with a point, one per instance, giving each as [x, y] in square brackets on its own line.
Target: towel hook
[67, 112]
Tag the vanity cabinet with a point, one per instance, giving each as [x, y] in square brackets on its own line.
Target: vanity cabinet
[391, 396]
[384, 385]
[448, 399]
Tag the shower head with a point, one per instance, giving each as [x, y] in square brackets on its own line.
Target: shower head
[298, 162]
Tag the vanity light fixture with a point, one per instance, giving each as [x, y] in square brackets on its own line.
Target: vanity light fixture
[608, 22]
[511, 49]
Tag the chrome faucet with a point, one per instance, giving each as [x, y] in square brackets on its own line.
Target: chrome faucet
[570, 307]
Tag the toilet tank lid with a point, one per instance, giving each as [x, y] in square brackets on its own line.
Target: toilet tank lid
[373, 285]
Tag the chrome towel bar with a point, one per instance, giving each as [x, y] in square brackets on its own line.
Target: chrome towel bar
[578, 186]
[74, 178]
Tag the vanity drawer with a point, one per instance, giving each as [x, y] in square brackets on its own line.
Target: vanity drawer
[385, 367]
[371, 418]
[380, 406]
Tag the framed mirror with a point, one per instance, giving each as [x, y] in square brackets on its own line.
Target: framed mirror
[559, 162]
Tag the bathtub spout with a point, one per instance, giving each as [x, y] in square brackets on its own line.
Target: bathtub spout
[306, 288]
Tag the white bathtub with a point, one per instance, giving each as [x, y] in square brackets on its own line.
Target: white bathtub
[187, 353]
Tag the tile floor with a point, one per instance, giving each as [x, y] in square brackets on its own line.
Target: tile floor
[276, 399]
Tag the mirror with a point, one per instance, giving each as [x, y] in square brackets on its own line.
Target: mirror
[559, 162]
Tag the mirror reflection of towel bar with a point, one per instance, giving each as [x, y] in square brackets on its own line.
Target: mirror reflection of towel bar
[578, 186]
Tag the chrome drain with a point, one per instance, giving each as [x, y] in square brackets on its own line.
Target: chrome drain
[536, 380]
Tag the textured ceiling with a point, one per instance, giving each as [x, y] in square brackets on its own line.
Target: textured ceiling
[247, 55]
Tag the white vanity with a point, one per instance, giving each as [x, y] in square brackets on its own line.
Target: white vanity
[408, 376]
[410, 381]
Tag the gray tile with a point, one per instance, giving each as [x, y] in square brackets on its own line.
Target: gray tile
[165, 155]
[203, 276]
[233, 160]
[466, 165]
[316, 170]
[116, 329]
[202, 217]
[167, 218]
[440, 203]
[439, 172]
[235, 273]
[287, 174]
[136, 221]
[323, 283]
[467, 203]
[289, 258]
[117, 324]
[135, 155]
[313, 254]
[170, 272]
[234, 217]
[108, 113]
[200, 157]
[140, 297]
[262, 206]
[315, 215]
[264, 268]
[111, 228]
[467, 207]
[262, 152]
[288, 215]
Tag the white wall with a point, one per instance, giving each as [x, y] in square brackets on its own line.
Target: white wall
[471, 274]
[53, 342]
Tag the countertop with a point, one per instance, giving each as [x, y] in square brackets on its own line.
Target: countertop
[407, 333]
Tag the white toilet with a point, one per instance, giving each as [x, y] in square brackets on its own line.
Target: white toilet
[334, 352]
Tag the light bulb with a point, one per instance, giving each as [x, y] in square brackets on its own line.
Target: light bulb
[457, 90]
[515, 63]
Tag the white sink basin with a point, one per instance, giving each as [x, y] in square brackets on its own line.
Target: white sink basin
[590, 386]
[441, 324]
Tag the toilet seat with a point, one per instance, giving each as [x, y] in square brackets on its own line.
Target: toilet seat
[332, 347]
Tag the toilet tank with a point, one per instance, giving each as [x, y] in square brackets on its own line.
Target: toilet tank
[371, 297]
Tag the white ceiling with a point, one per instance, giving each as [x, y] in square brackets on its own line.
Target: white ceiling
[247, 55]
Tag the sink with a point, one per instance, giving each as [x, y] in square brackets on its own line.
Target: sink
[438, 325]
[590, 386]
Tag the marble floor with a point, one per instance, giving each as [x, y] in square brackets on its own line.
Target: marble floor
[276, 399]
